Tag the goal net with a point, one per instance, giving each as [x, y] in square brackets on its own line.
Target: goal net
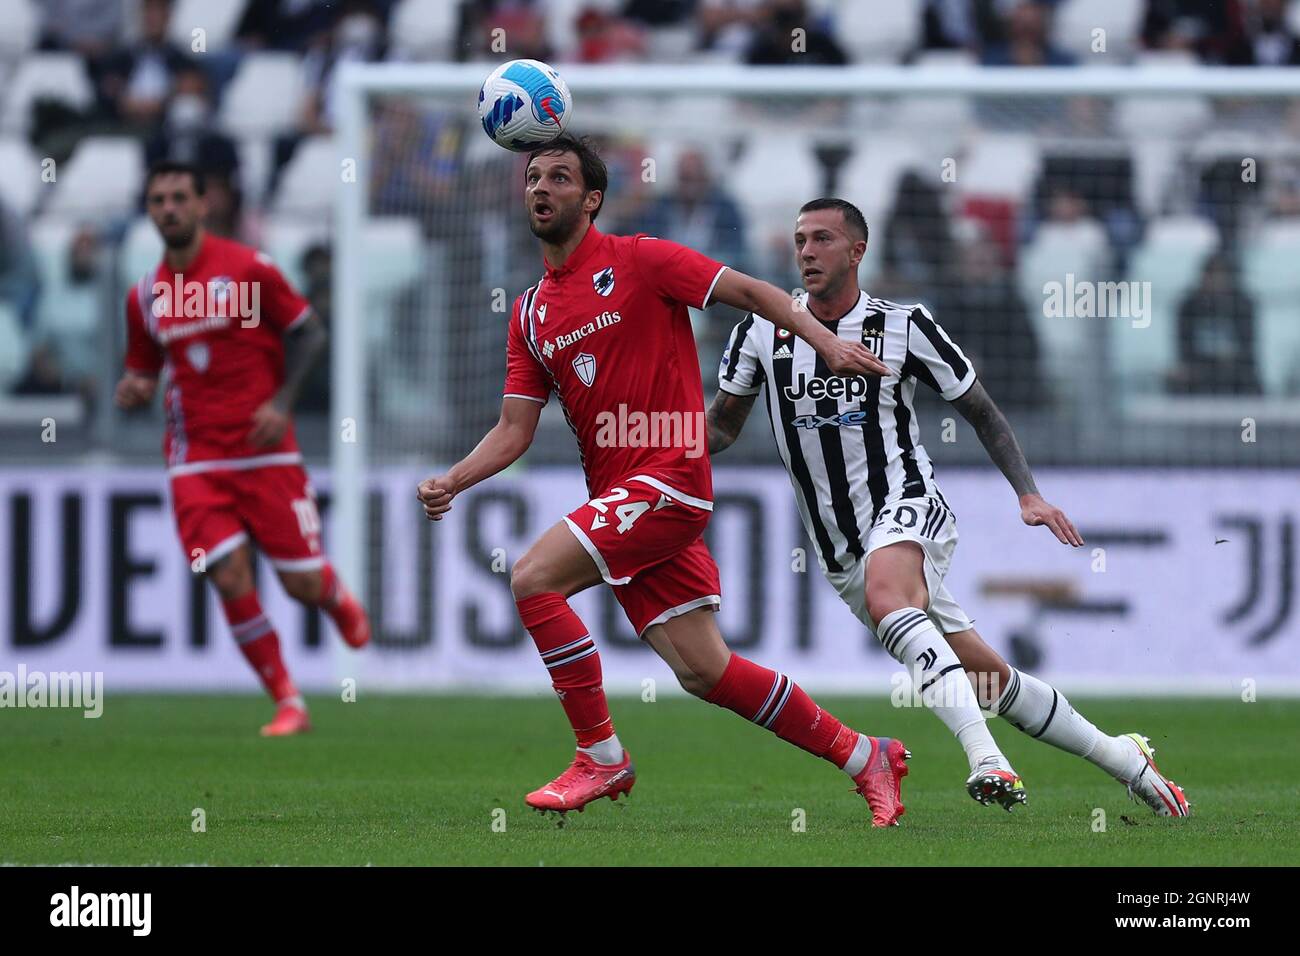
[1115, 249]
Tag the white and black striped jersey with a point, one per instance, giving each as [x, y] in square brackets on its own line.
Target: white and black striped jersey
[850, 444]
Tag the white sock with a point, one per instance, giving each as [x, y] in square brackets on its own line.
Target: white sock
[913, 640]
[1041, 711]
[608, 751]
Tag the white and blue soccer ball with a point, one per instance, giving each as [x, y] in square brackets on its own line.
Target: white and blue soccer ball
[524, 104]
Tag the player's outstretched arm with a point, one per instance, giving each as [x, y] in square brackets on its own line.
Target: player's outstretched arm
[500, 448]
[726, 417]
[995, 434]
[754, 295]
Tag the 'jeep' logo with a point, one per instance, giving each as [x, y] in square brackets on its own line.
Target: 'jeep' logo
[834, 387]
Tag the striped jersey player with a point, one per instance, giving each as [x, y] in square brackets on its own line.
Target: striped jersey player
[883, 532]
[607, 331]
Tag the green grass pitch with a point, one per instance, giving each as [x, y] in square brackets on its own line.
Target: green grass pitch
[417, 780]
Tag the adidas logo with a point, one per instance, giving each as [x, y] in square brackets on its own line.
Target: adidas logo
[783, 352]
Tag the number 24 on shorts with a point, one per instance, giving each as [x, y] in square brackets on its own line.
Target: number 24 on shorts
[625, 513]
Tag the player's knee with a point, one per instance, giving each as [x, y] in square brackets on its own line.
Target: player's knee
[695, 684]
[527, 578]
[232, 576]
[302, 587]
[887, 597]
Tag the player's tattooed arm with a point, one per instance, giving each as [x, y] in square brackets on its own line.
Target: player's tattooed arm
[995, 434]
[726, 418]
[303, 347]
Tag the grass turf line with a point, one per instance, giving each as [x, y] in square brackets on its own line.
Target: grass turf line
[394, 780]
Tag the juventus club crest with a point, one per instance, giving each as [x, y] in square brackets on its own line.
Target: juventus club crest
[603, 281]
[585, 366]
[873, 339]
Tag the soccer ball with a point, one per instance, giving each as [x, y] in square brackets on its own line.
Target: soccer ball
[524, 104]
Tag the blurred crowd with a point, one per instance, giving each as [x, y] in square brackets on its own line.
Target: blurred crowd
[145, 81]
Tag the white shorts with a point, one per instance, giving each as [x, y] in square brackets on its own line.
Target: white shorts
[929, 523]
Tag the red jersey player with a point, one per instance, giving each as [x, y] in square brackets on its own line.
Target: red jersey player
[236, 342]
[607, 330]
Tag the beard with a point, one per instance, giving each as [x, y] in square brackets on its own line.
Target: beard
[179, 240]
[561, 227]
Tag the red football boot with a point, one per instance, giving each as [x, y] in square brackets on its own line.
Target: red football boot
[351, 620]
[289, 719]
[583, 782]
[881, 780]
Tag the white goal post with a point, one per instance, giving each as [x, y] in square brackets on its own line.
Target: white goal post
[777, 102]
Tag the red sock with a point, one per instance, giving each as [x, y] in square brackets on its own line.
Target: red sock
[774, 701]
[570, 655]
[260, 645]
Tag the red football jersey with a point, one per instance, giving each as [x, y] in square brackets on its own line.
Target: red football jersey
[610, 334]
[216, 330]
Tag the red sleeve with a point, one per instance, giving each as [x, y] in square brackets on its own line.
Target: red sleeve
[676, 272]
[277, 301]
[143, 354]
[525, 375]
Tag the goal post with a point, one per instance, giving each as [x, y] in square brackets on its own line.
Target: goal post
[430, 246]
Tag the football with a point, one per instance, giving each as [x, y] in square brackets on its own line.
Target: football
[524, 104]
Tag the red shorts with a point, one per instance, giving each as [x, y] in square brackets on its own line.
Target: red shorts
[647, 542]
[217, 511]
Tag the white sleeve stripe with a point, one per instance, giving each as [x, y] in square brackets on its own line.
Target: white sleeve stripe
[531, 398]
[705, 303]
[731, 388]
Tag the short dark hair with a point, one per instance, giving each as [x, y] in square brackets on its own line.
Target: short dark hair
[853, 217]
[167, 167]
[594, 173]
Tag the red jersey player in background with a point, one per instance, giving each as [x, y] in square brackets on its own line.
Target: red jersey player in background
[236, 342]
[607, 330]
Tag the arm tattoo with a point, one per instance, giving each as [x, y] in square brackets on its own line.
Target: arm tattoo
[302, 347]
[996, 436]
[726, 418]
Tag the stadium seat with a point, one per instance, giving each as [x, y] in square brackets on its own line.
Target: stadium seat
[265, 95]
[217, 18]
[57, 76]
[869, 179]
[21, 27]
[1057, 251]
[13, 348]
[103, 177]
[67, 315]
[1270, 277]
[394, 258]
[1171, 257]
[1075, 20]
[285, 239]
[20, 185]
[141, 250]
[770, 200]
[423, 30]
[878, 32]
[1003, 165]
[310, 180]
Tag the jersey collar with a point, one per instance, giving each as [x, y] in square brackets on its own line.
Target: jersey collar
[580, 254]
